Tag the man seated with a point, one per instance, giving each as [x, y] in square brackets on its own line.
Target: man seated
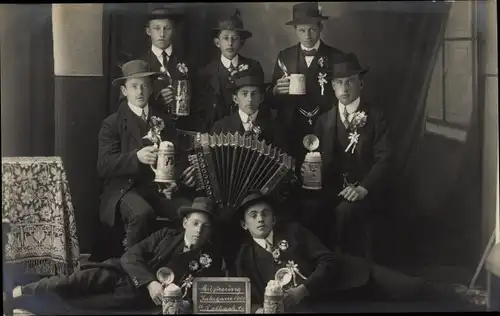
[125, 158]
[321, 275]
[131, 282]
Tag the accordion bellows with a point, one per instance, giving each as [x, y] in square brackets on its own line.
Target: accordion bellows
[229, 165]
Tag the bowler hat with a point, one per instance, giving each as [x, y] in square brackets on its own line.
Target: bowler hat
[232, 23]
[345, 65]
[252, 198]
[164, 13]
[306, 13]
[200, 204]
[135, 69]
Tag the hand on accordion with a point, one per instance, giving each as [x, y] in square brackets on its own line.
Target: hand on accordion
[188, 176]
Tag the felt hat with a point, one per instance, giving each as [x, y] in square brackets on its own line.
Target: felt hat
[232, 23]
[252, 198]
[135, 69]
[164, 13]
[345, 65]
[200, 204]
[306, 13]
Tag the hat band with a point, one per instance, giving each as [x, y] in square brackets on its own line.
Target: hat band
[301, 15]
[247, 81]
[346, 67]
[231, 25]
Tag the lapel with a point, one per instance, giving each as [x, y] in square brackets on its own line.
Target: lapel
[215, 70]
[130, 126]
[153, 62]
[322, 52]
[175, 241]
[363, 130]
[329, 121]
[235, 123]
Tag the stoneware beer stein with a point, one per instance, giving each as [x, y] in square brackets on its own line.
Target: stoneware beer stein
[182, 90]
[297, 84]
[165, 169]
[172, 300]
[274, 298]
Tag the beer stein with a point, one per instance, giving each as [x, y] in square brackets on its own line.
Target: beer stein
[165, 169]
[172, 300]
[297, 84]
[274, 298]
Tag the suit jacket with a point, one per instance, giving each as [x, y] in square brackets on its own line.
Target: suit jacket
[163, 249]
[117, 164]
[373, 150]
[323, 269]
[271, 131]
[211, 95]
[294, 61]
[182, 122]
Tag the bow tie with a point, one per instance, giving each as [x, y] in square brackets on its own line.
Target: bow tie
[311, 52]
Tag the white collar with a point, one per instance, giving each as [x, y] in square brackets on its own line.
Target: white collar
[226, 62]
[351, 107]
[138, 110]
[262, 241]
[316, 46]
[244, 116]
[186, 243]
[158, 51]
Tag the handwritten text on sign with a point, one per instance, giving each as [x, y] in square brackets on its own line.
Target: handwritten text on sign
[221, 296]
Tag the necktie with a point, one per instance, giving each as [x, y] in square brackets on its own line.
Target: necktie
[311, 52]
[164, 58]
[249, 124]
[269, 246]
[231, 68]
[144, 116]
[346, 118]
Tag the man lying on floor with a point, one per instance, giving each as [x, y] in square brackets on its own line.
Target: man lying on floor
[324, 279]
[131, 282]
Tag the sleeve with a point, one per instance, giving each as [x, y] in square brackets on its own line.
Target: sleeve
[111, 162]
[318, 255]
[135, 260]
[382, 152]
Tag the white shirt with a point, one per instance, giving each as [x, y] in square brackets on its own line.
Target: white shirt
[351, 108]
[309, 59]
[138, 110]
[262, 241]
[187, 245]
[244, 119]
[226, 62]
[158, 53]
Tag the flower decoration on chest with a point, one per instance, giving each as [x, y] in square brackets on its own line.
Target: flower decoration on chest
[277, 251]
[322, 62]
[156, 126]
[240, 68]
[357, 122]
[195, 266]
[183, 70]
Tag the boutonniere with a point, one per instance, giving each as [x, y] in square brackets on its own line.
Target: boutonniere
[156, 125]
[282, 247]
[322, 61]
[182, 69]
[357, 122]
[322, 81]
[195, 266]
[240, 68]
[283, 68]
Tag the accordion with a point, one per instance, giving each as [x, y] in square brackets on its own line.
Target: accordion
[230, 165]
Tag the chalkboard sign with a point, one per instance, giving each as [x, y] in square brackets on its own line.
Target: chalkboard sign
[221, 296]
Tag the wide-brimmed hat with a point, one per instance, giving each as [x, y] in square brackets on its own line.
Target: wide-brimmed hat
[252, 198]
[200, 204]
[136, 69]
[164, 13]
[306, 13]
[345, 65]
[246, 78]
[232, 23]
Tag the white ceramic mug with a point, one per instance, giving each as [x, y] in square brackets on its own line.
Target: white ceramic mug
[165, 169]
[297, 84]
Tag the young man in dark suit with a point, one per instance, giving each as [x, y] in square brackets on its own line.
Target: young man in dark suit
[298, 113]
[323, 279]
[163, 57]
[211, 87]
[125, 159]
[247, 92]
[131, 282]
[355, 148]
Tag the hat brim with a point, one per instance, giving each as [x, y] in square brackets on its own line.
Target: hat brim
[307, 20]
[244, 34]
[347, 74]
[138, 75]
[185, 210]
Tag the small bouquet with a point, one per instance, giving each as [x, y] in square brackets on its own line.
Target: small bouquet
[195, 266]
[322, 61]
[156, 125]
[282, 247]
[357, 122]
[182, 69]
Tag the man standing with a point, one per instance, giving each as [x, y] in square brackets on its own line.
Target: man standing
[298, 113]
